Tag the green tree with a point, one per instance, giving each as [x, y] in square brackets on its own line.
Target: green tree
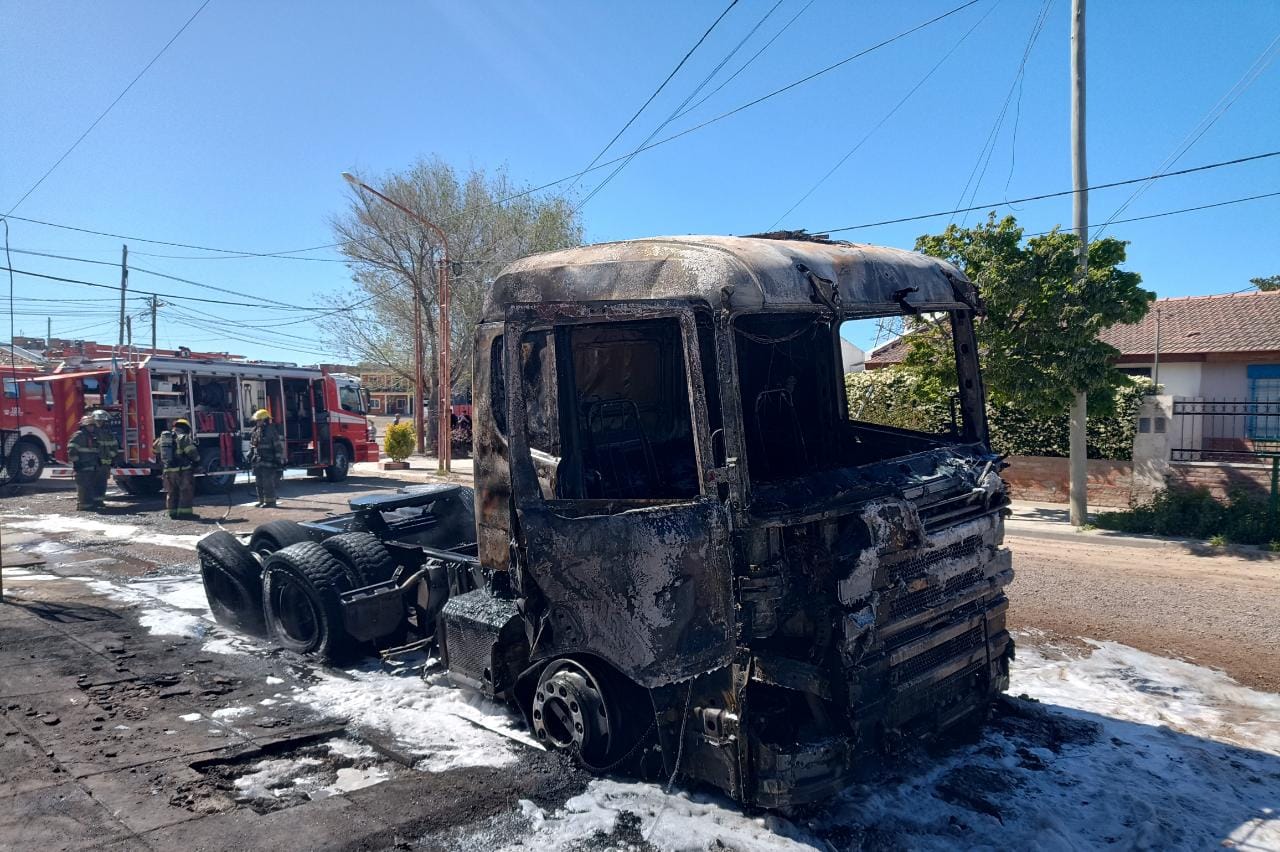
[390, 254]
[1271, 282]
[1039, 339]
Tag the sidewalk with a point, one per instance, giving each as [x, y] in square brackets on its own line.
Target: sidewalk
[1052, 521]
[421, 469]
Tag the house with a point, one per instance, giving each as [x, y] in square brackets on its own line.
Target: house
[851, 357]
[1210, 347]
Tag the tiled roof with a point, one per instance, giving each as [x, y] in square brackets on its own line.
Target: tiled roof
[1189, 325]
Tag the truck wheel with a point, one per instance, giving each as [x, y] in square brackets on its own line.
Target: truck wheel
[277, 535]
[232, 582]
[26, 462]
[341, 466]
[582, 711]
[218, 477]
[300, 589]
[367, 558]
[140, 486]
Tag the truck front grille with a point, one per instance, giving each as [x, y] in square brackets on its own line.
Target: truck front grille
[926, 661]
[930, 597]
[921, 563]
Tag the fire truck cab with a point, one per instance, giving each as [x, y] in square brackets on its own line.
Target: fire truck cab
[323, 415]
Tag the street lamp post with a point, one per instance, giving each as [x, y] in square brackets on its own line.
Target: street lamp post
[445, 428]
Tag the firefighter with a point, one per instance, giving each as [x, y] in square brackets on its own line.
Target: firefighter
[108, 449]
[179, 453]
[268, 457]
[85, 457]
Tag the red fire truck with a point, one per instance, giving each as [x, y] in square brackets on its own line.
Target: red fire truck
[323, 415]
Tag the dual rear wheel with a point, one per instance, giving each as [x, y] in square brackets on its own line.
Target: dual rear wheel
[287, 587]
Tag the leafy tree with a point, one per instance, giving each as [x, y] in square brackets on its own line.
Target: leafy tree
[390, 254]
[1271, 282]
[1039, 339]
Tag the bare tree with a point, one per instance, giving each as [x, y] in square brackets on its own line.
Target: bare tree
[489, 224]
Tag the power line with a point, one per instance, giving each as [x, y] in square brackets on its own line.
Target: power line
[110, 107]
[1210, 118]
[557, 181]
[743, 66]
[840, 162]
[661, 86]
[117, 288]
[675, 112]
[989, 147]
[1102, 225]
[1047, 195]
[226, 290]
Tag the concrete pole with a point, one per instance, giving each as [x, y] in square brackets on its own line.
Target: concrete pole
[1080, 210]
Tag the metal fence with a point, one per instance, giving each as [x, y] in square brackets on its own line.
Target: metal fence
[1223, 430]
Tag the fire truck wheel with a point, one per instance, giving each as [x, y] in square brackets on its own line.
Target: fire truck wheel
[211, 482]
[232, 582]
[277, 535]
[341, 466]
[367, 558]
[140, 486]
[26, 462]
[301, 586]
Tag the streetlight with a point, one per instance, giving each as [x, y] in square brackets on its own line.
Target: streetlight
[445, 427]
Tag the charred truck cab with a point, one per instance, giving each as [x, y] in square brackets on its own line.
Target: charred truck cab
[691, 558]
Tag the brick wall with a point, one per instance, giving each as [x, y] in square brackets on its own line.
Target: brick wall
[1221, 478]
[1042, 479]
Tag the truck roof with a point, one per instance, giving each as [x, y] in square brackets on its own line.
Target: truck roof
[742, 273]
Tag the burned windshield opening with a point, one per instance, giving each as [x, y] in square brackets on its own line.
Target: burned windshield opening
[787, 380]
[802, 413]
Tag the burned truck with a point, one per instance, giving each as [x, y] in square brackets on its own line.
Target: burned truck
[688, 559]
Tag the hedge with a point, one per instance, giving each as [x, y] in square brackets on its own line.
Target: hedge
[897, 397]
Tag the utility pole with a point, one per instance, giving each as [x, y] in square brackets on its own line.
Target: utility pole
[1080, 217]
[128, 332]
[444, 441]
[48, 333]
[445, 429]
[124, 287]
[155, 306]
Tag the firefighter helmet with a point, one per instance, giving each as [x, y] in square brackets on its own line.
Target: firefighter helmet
[100, 416]
[182, 421]
[261, 414]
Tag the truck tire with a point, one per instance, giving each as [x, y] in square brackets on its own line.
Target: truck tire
[341, 466]
[301, 585]
[218, 478]
[140, 486]
[26, 462]
[367, 558]
[277, 535]
[232, 582]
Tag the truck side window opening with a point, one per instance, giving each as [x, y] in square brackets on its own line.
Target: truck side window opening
[349, 399]
[624, 385]
[11, 388]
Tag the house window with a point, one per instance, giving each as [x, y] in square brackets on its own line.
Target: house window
[1143, 372]
[1264, 402]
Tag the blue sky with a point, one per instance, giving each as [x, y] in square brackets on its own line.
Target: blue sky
[236, 137]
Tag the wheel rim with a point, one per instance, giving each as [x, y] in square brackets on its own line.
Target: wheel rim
[570, 711]
[28, 463]
[295, 612]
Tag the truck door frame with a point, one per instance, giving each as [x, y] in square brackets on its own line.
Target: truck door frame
[648, 589]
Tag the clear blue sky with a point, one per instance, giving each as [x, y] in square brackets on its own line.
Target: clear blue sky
[237, 135]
